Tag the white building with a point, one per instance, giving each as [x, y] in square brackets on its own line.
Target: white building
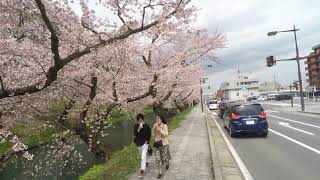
[241, 87]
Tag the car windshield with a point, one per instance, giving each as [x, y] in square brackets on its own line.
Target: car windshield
[223, 104]
[246, 110]
[213, 102]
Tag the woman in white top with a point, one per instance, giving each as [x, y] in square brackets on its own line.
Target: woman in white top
[160, 132]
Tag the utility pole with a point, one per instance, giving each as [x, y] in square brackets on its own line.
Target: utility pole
[201, 100]
[274, 80]
[271, 61]
[299, 71]
[291, 95]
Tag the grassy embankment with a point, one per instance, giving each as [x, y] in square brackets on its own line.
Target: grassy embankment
[29, 136]
[34, 136]
[125, 161]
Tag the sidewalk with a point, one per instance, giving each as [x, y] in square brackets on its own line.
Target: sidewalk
[190, 151]
[313, 108]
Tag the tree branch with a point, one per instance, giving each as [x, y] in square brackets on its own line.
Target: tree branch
[60, 63]
[54, 38]
[186, 97]
[144, 13]
[146, 61]
[168, 95]
[114, 91]
[81, 128]
[77, 81]
[119, 12]
[151, 91]
[65, 112]
[2, 85]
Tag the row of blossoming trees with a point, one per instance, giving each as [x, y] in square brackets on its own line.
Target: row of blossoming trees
[136, 53]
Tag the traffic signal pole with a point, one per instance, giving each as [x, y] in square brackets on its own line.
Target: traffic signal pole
[271, 61]
[291, 96]
[201, 98]
[299, 71]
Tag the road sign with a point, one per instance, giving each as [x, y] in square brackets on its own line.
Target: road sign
[243, 88]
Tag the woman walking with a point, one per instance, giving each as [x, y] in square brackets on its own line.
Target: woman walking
[161, 144]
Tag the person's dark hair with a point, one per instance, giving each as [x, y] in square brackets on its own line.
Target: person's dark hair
[140, 116]
[163, 120]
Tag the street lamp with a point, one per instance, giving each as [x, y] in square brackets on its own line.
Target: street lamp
[202, 81]
[294, 30]
[272, 33]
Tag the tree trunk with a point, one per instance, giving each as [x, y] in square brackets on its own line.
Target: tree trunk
[158, 109]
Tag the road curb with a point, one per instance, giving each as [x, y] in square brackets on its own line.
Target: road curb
[216, 167]
[306, 112]
[227, 166]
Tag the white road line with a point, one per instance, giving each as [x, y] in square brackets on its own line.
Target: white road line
[245, 172]
[297, 129]
[272, 111]
[297, 142]
[214, 113]
[307, 124]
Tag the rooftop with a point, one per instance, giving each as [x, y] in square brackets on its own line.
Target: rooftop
[316, 47]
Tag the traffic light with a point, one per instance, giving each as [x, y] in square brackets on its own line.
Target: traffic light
[270, 61]
[295, 85]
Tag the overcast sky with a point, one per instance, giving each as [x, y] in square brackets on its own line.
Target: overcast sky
[246, 23]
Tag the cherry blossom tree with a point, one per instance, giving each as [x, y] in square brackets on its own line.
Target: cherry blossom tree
[142, 53]
[175, 57]
[61, 37]
[44, 41]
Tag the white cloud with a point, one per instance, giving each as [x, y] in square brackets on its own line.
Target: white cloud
[246, 23]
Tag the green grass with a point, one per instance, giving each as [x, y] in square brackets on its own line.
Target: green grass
[121, 164]
[148, 110]
[120, 116]
[125, 161]
[42, 136]
[4, 147]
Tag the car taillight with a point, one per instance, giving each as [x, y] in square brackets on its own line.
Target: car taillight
[263, 115]
[234, 116]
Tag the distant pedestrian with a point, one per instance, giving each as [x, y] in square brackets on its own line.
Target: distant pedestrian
[161, 144]
[142, 133]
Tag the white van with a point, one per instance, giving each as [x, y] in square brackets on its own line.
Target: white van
[213, 104]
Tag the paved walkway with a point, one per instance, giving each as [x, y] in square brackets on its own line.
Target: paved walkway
[190, 150]
[310, 107]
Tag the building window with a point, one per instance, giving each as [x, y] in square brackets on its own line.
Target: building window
[241, 83]
[237, 83]
[245, 77]
[252, 94]
[227, 84]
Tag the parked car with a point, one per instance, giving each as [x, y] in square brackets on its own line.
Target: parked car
[251, 98]
[281, 97]
[245, 118]
[213, 105]
[262, 98]
[222, 107]
[273, 96]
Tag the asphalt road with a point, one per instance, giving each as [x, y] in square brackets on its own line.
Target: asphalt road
[290, 152]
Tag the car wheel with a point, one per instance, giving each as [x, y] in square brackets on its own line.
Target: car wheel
[232, 134]
[265, 134]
